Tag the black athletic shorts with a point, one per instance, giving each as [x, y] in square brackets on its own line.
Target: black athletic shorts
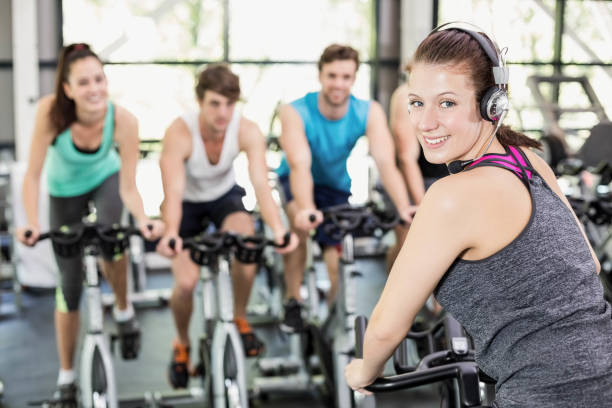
[197, 214]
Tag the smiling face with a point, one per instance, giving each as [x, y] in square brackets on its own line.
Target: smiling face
[444, 113]
[86, 84]
[337, 79]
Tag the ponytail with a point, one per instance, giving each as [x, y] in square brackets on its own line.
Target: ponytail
[63, 110]
[509, 137]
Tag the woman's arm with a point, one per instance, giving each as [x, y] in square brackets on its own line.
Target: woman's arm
[382, 151]
[126, 136]
[41, 140]
[438, 235]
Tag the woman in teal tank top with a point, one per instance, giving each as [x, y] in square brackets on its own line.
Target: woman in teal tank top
[75, 133]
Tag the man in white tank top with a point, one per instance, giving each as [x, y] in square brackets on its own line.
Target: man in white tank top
[198, 151]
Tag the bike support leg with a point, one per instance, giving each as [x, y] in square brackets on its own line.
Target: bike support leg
[225, 332]
[91, 343]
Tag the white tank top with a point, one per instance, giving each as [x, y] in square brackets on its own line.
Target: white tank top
[206, 181]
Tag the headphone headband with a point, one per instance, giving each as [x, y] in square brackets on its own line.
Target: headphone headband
[500, 71]
[494, 103]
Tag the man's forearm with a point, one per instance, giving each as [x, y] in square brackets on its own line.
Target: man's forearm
[269, 209]
[171, 215]
[300, 181]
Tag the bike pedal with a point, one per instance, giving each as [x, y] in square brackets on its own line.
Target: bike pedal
[130, 345]
[113, 337]
[198, 370]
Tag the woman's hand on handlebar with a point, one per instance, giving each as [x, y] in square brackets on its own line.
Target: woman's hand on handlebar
[151, 229]
[308, 219]
[279, 239]
[27, 235]
[170, 245]
[355, 379]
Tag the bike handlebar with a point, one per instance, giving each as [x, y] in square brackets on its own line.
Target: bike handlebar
[466, 372]
[598, 210]
[346, 218]
[205, 248]
[69, 241]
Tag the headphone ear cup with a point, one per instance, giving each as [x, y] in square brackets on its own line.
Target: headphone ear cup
[484, 103]
[493, 103]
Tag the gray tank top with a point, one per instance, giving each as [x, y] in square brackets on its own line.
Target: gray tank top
[535, 309]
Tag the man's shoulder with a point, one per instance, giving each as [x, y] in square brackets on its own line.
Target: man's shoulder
[359, 102]
[247, 127]
[303, 106]
[308, 97]
[178, 129]
[362, 107]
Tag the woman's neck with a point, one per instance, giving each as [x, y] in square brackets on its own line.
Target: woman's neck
[90, 118]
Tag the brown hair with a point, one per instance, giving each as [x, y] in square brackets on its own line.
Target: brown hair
[63, 110]
[452, 46]
[218, 78]
[337, 52]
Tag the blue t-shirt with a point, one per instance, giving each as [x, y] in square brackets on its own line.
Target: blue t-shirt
[330, 141]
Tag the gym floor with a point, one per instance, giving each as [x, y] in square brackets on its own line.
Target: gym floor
[29, 363]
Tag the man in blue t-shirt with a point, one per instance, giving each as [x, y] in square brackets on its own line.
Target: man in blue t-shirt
[318, 134]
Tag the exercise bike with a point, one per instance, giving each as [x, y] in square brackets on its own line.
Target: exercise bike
[592, 203]
[221, 353]
[97, 383]
[453, 366]
[333, 339]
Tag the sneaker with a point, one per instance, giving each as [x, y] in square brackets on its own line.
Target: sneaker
[64, 397]
[129, 338]
[292, 322]
[178, 369]
[253, 346]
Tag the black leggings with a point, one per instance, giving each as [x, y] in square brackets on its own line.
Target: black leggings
[70, 211]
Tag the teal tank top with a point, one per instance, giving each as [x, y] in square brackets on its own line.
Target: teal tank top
[71, 172]
[330, 141]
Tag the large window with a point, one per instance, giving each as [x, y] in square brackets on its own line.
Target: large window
[528, 28]
[154, 49]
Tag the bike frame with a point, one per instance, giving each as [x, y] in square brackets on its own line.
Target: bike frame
[343, 344]
[218, 307]
[94, 338]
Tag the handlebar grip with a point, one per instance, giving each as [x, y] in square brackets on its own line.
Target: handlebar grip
[44, 236]
[361, 322]
[150, 227]
[286, 239]
[312, 218]
[172, 243]
[28, 234]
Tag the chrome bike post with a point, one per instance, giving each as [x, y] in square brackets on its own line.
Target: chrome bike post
[226, 330]
[95, 339]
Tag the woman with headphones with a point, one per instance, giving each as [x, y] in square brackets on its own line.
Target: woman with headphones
[496, 241]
